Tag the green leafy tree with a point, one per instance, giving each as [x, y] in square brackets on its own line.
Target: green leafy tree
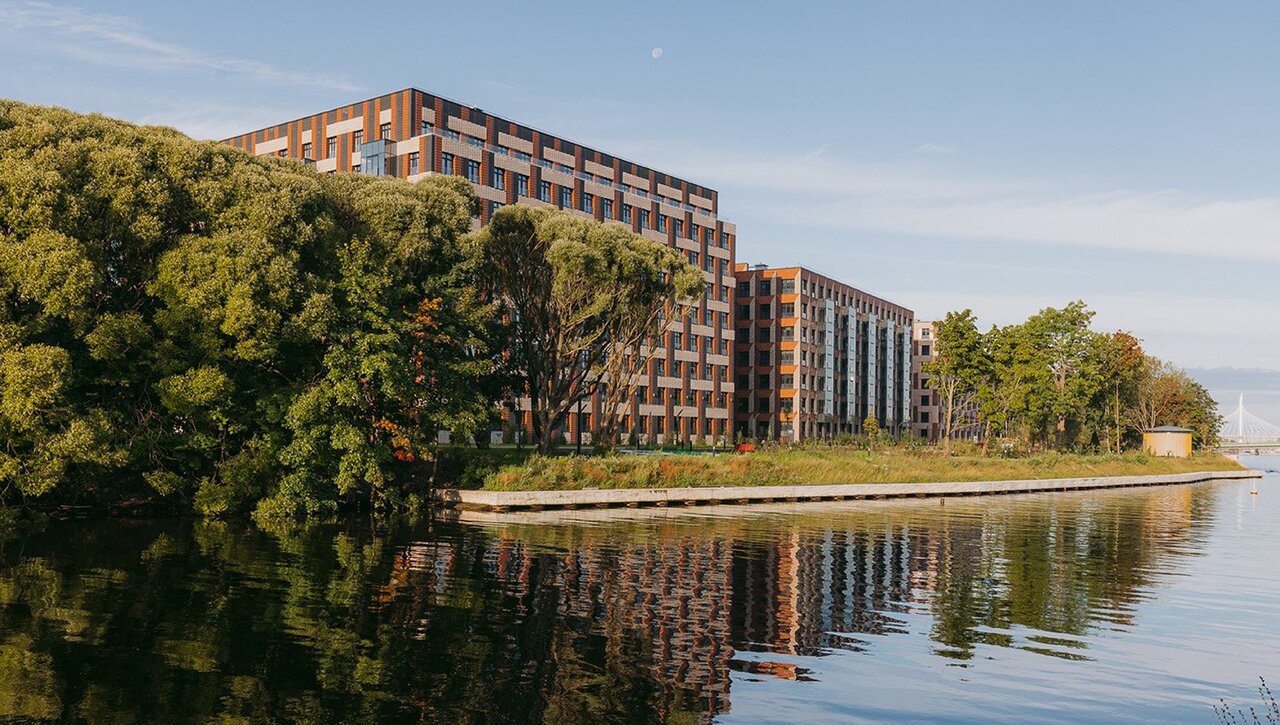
[959, 365]
[180, 319]
[579, 298]
[1066, 373]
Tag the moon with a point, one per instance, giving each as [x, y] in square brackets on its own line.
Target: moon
[656, 53]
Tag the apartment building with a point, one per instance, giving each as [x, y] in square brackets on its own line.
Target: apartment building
[815, 357]
[411, 134]
[927, 415]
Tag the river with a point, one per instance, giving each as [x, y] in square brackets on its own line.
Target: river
[1125, 605]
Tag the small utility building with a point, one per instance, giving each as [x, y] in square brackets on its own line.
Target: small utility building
[1167, 440]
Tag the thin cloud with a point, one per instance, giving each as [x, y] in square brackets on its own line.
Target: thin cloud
[837, 194]
[934, 149]
[120, 41]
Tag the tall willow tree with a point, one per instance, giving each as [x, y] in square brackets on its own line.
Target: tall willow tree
[575, 294]
[179, 318]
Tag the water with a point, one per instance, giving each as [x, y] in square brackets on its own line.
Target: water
[1130, 605]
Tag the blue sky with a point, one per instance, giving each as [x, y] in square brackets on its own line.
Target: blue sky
[1002, 156]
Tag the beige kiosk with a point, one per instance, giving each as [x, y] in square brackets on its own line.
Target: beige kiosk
[1167, 440]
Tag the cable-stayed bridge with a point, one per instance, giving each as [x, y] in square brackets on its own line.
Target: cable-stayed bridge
[1243, 430]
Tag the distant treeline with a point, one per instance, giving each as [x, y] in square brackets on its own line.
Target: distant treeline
[1052, 382]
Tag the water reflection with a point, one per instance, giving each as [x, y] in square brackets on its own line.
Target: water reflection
[605, 616]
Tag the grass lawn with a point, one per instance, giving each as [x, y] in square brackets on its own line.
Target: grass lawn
[825, 465]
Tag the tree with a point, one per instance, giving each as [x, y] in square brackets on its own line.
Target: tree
[1121, 357]
[1067, 373]
[1003, 393]
[1166, 395]
[180, 319]
[958, 366]
[575, 296]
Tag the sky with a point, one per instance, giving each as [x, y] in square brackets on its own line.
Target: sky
[999, 156]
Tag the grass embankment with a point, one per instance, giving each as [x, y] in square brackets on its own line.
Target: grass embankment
[826, 466]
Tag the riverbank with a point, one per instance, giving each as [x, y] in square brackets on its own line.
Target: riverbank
[827, 466]
[710, 495]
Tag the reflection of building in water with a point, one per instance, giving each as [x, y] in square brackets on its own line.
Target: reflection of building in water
[676, 606]
[673, 596]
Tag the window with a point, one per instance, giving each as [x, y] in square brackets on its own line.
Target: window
[658, 395]
[724, 267]
[762, 334]
[924, 416]
[764, 311]
[677, 369]
[566, 197]
[787, 381]
[494, 206]
[355, 167]
[544, 191]
[724, 320]
[497, 178]
[708, 318]
[413, 163]
[742, 405]
[762, 405]
[473, 171]
[924, 400]
[762, 381]
[707, 235]
[724, 347]
[586, 203]
[306, 150]
[662, 222]
[693, 258]
[724, 239]
[788, 357]
[744, 358]
[762, 357]
[522, 185]
[626, 213]
[743, 380]
[606, 208]
[744, 312]
[446, 164]
[331, 147]
[424, 128]
[659, 367]
[384, 131]
[744, 289]
[765, 287]
[788, 333]
[924, 350]
[678, 226]
[788, 309]
[788, 286]
[644, 218]
[357, 137]
[677, 338]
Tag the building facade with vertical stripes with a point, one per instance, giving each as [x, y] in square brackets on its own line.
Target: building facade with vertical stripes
[410, 134]
[814, 357]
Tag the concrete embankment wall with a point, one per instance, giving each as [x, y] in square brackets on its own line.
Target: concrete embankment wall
[634, 497]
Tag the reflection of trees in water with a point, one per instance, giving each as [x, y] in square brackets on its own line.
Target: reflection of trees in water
[170, 622]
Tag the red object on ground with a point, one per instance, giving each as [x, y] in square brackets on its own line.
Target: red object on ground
[744, 448]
